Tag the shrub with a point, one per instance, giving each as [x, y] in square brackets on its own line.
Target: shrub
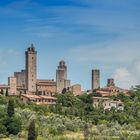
[2, 130]
[13, 125]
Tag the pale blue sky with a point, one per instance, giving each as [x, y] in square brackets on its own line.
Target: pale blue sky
[88, 34]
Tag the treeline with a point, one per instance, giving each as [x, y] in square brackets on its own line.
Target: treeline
[70, 114]
[82, 107]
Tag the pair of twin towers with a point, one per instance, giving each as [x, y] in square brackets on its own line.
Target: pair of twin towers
[29, 78]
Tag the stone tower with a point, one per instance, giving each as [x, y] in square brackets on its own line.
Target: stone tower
[31, 70]
[110, 82]
[61, 77]
[12, 82]
[95, 79]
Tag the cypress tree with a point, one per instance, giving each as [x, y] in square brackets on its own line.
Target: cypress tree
[10, 108]
[6, 94]
[64, 91]
[31, 132]
[2, 92]
[86, 131]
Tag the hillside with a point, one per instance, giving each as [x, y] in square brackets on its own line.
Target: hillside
[71, 118]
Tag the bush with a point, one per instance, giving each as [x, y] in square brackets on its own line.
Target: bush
[2, 130]
[13, 125]
[137, 126]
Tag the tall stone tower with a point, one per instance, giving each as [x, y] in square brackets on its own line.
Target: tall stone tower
[31, 74]
[95, 79]
[110, 82]
[61, 77]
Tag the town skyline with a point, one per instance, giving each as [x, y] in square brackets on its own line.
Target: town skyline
[97, 81]
[87, 35]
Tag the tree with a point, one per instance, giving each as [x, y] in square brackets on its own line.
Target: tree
[13, 125]
[10, 108]
[64, 90]
[31, 132]
[101, 107]
[6, 94]
[2, 92]
[86, 131]
[135, 107]
[2, 129]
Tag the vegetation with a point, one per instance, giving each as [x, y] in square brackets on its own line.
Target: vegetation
[10, 108]
[32, 132]
[71, 118]
[2, 92]
[9, 122]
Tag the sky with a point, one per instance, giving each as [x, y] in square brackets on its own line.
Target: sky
[87, 34]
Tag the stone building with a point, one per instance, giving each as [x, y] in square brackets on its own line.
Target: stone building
[31, 69]
[4, 89]
[95, 79]
[61, 77]
[76, 89]
[12, 82]
[21, 78]
[107, 103]
[46, 87]
[38, 99]
[111, 90]
[27, 82]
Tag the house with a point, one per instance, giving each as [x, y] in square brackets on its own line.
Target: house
[38, 99]
[111, 90]
[107, 103]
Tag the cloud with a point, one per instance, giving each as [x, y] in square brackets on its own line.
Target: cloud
[118, 58]
[124, 78]
[89, 22]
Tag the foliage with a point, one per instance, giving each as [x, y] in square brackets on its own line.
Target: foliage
[6, 94]
[2, 92]
[3, 130]
[13, 125]
[70, 115]
[10, 108]
[32, 132]
[64, 91]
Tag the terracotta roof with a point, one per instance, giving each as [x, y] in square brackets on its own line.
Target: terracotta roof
[101, 98]
[47, 97]
[38, 96]
[31, 96]
[102, 92]
[108, 88]
[4, 86]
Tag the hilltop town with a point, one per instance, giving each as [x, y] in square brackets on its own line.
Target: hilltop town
[79, 79]
[42, 91]
[56, 109]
